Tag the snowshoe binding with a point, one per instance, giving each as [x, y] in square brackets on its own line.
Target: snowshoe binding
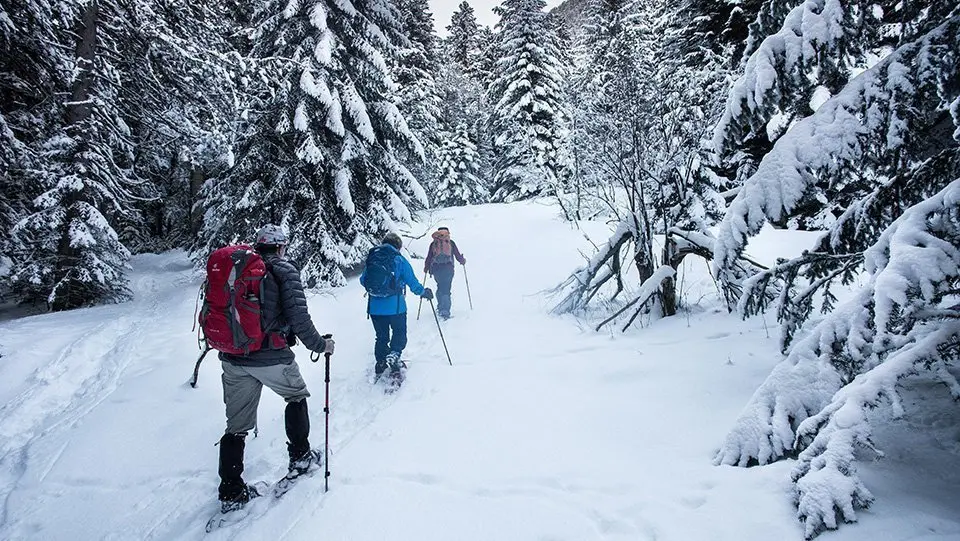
[304, 466]
[233, 510]
[395, 374]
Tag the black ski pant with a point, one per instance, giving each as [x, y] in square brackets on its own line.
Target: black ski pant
[443, 274]
[391, 337]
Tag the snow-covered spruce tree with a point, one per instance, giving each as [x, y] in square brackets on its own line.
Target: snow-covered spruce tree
[12, 205]
[458, 183]
[464, 74]
[463, 106]
[181, 70]
[416, 71]
[607, 24]
[914, 135]
[765, 17]
[76, 256]
[890, 139]
[322, 156]
[488, 55]
[483, 73]
[526, 93]
[462, 45]
[32, 71]
[902, 323]
[566, 187]
[914, 328]
[643, 110]
[157, 93]
[752, 123]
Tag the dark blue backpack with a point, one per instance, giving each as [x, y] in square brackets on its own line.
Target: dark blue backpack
[380, 276]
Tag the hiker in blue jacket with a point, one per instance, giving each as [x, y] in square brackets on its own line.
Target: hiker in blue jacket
[386, 276]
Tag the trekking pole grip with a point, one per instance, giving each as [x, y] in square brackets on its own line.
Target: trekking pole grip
[315, 356]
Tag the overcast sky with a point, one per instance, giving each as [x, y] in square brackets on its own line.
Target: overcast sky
[443, 9]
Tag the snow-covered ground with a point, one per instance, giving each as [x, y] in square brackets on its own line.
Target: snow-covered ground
[541, 430]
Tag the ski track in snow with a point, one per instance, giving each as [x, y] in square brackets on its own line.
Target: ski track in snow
[540, 430]
[81, 377]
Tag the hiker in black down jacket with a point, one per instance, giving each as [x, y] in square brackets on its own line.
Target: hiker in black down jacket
[285, 313]
[285, 319]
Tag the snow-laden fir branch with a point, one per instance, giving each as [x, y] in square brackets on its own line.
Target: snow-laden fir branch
[903, 322]
[862, 120]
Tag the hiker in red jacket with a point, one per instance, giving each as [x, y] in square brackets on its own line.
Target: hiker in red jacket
[439, 263]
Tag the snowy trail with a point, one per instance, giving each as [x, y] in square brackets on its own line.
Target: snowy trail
[539, 430]
[84, 373]
[514, 441]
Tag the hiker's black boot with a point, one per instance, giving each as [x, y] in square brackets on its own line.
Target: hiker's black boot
[379, 368]
[303, 463]
[247, 493]
[233, 492]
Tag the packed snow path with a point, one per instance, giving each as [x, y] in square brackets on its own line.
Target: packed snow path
[539, 431]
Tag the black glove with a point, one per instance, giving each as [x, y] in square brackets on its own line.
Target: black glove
[427, 294]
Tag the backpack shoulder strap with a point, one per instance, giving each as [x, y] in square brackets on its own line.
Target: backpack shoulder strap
[397, 267]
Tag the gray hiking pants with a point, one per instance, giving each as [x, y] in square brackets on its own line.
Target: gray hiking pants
[242, 386]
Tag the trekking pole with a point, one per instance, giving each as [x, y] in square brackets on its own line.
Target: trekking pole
[421, 298]
[437, 319]
[201, 341]
[196, 368]
[467, 280]
[326, 413]
[326, 420]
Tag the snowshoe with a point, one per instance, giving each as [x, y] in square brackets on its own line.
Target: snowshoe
[233, 511]
[304, 467]
[395, 375]
[378, 370]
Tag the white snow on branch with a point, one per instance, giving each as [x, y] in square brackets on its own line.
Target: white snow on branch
[823, 144]
[911, 265]
[291, 9]
[300, 119]
[356, 109]
[318, 16]
[341, 186]
[813, 26]
[897, 325]
[826, 475]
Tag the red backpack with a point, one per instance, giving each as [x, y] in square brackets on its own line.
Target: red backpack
[443, 251]
[231, 315]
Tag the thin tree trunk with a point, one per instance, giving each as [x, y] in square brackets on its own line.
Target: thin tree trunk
[79, 110]
[197, 178]
[668, 288]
